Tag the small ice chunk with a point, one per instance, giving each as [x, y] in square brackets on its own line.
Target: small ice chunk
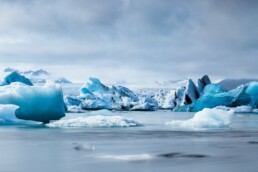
[207, 118]
[243, 109]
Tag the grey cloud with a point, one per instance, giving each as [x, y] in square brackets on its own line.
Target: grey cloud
[165, 39]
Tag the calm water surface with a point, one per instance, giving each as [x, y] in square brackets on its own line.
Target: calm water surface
[152, 147]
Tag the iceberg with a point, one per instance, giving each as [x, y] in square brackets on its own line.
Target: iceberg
[15, 77]
[38, 76]
[145, 104]
[206, 119]
[243, 109]
[214, 95]
[97, 121]
[183, 96]
[205, 80]
[7, 114]
[74, 109]
[94, 104]
[95, 96]
[8, 117]
[252, 91]
[165, 99]
[37, 103]
[191, 93]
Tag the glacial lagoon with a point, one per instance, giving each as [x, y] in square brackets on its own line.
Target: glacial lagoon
[152, 146]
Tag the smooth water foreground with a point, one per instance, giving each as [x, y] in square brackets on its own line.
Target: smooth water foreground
[152, 147]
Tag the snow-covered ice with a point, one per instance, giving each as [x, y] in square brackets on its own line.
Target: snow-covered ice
[97, 121]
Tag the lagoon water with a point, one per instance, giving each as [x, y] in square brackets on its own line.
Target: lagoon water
[151, 147]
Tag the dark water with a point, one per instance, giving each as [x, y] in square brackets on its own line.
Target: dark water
[152, 147]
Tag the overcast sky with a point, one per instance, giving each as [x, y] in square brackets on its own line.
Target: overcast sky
[131, 40]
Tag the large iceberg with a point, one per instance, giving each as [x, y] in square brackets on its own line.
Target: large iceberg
[184, 95]
[37, 103]
[214, 95]
[95, 95]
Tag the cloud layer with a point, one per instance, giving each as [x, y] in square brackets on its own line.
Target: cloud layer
[131, 40]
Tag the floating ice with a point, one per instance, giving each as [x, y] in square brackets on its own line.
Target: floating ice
[75, 109]
[95, 96]
[207, 118]
[38, 76]
[15, 77]
[243, 109]
[97, 121]
[214, 95]
[7, 116]
[35, 102]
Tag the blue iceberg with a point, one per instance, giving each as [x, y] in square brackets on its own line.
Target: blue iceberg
[37, 103]
[214, 95]
[15, 77]
[95, 96]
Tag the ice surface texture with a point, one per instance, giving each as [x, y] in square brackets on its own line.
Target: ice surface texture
[95, 95]
[15, 77]
[98, 121]
[38, 103]
[214, 95]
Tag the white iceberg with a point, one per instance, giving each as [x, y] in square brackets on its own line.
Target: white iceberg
[207, 118]
[243, 109]
[165, 99]
[97, 121]
[74, 109]
[95, 96]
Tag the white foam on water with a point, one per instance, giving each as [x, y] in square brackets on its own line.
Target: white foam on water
[97, 121]
[205, 119]
[135, 157]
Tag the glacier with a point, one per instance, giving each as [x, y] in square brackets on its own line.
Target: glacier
[206, 119]
[37, 103]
